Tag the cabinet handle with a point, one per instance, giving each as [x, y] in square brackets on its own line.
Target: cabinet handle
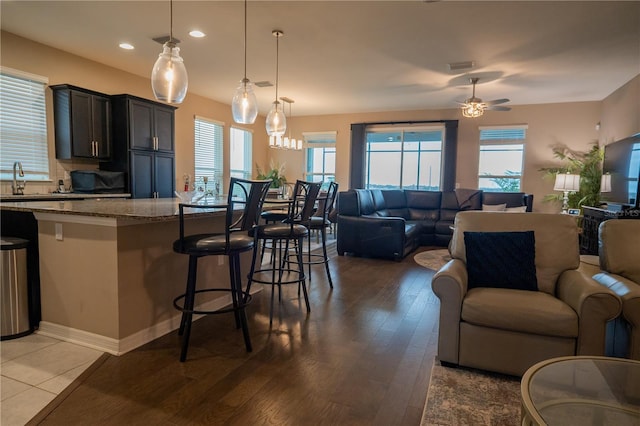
[156, 145]
[93, 148]
[97, 149]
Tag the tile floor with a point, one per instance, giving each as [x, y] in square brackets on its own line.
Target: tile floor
[34, 370]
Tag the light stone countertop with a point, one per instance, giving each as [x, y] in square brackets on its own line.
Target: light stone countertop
[146, 209]
[58, 196]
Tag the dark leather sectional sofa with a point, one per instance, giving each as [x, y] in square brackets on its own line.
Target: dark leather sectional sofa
[393, 223]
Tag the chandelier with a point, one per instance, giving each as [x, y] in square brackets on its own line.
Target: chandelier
[286, 142]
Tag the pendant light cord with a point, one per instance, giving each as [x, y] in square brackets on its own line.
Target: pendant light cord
[171, 21]
[245, 40]
[277, 64]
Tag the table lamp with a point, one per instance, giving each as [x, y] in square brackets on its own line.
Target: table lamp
[566, 183]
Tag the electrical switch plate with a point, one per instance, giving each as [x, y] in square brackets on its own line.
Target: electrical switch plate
[220, 260]
[59, 231]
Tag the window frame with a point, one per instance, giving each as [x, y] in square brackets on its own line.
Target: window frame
[402, 129]
[35, 159]
[505, 135]
[319, 140]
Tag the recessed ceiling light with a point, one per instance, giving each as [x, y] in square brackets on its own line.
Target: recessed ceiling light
[126, 46]
[197, 34]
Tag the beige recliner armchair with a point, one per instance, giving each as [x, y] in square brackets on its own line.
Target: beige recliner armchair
[508, 330]
[619, 252]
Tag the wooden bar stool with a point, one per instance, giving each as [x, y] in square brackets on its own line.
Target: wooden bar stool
[243, 207]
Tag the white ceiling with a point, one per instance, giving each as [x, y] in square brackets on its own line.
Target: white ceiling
[360, 56]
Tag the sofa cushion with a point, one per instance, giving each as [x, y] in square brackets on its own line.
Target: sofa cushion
[396, 203]
[494, 207]
[423, 205]
[365, 201]
[469, 199]
[512, 199]
[521, 311]
[501, 259]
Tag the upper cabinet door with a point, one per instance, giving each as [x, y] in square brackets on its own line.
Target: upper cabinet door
[142, 127]
[164, 128]
[101, 118]
[81, 136]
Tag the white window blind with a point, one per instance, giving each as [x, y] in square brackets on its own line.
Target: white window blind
[208, 149]
[23, 125]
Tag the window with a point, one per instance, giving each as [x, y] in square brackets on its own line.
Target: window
[23, 125]
[409, 158]
[320, 157]
[208, 149]
[240, 158]
[501, 158]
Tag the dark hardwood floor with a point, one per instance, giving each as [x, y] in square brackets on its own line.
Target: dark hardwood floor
[363, 356]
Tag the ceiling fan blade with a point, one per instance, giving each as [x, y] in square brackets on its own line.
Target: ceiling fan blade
[499, 108]
[497, 101]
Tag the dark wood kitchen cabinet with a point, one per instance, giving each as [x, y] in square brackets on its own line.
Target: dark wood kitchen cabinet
[143, 133]
[82, 123]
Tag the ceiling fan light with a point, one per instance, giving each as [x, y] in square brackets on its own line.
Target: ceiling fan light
[276, 122]
[169, 79]
[244, 105]
[472, 110]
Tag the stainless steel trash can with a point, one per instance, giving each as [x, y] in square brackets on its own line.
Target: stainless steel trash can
[15, 293]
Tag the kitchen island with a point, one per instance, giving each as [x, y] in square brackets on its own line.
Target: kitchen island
[108, 274]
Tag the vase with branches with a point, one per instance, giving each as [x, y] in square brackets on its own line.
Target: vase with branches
[586, 164]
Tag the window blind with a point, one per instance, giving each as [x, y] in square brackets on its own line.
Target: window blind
[23, 125]
[240, 155]
[208, 148]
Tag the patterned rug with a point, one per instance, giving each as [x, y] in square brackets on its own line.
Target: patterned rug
[432, 259]
[462, 396]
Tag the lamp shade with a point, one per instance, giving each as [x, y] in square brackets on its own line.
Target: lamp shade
[169, 76]
[605, 183]
[244, 105]
[276, 123]
[567, 182]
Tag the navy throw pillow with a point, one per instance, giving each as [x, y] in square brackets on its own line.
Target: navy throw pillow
[501, 260]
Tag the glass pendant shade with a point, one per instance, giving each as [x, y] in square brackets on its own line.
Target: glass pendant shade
[276, 123]
[244, 105]
[169, 76]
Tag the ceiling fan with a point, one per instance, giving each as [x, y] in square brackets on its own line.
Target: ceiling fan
[474, 107]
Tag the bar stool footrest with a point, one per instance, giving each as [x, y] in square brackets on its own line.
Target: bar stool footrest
[243, 300]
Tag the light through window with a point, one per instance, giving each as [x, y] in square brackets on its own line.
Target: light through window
[240, 153]
[408, 158]
[320, 157]
[501, 158]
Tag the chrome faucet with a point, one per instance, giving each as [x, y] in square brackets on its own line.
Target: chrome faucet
[17, 188]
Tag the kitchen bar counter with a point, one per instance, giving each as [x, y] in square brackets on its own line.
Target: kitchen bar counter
[108, 273]
[55, 196]
[147, 209]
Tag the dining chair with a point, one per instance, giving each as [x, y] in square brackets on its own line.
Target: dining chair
[242, 212]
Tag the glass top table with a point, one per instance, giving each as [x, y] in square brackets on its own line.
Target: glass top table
[582, 390]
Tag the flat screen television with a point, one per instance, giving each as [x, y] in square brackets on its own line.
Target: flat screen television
[622, 162]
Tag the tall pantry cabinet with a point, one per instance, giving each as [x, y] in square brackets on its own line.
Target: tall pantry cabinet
[143, 146]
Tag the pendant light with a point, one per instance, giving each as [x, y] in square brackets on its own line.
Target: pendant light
[289, 142]
[276, 123]
[244, 105]
[169, 76]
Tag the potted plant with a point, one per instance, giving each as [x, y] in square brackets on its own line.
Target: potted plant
[586, 164]
[275, 173]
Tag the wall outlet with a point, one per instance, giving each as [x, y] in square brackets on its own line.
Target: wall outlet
[221, 260]
[457, 185]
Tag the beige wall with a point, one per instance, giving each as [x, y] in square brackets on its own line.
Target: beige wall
[573, 124]
[61, 67]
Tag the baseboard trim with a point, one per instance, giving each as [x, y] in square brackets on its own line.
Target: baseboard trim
[122, 346]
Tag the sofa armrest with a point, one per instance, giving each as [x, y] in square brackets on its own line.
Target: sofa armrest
[594, 304]
[450, 285]
[377, 236]
[629, 293]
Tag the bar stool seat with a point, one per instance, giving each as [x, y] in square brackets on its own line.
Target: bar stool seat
[232, 242]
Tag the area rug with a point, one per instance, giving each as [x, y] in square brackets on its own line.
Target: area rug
[462, 396]
[432, 259]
